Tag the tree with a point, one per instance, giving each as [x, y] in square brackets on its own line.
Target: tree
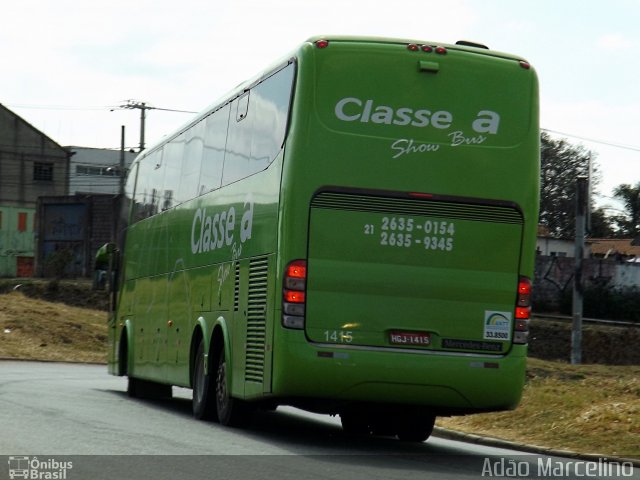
[629, 224]
[602, 225]
[561, 164]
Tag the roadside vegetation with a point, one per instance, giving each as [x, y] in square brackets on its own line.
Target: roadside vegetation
[583, 408]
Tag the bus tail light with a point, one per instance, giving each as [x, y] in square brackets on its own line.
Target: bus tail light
[322, 43]
[294, 294]
[414, 47]
[522, 312]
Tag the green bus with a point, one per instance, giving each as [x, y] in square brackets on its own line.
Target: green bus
[351, 232]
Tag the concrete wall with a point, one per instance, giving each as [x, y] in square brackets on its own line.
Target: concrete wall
[554, 276]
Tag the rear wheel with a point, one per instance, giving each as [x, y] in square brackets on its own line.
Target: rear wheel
[203, 403]
[231, 411]
[355, 423]
[415, 429]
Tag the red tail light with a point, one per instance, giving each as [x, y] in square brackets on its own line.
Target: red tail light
[522, 311]
[294, 294]
[297, 269]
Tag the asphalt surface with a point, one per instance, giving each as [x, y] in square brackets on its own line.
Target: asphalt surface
[77, 416]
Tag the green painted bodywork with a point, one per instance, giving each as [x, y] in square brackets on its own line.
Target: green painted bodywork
[409, 181]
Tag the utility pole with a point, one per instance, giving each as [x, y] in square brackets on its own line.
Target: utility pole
[121, 170]
[582, 188]
[143, 107]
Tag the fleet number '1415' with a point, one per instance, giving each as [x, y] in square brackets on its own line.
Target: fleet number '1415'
[338, 336]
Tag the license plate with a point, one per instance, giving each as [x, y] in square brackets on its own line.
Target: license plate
[410, 338]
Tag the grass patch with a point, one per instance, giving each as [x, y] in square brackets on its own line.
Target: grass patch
[584, 408]
[33, 329]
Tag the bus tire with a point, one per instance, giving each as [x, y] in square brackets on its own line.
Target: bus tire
[203, 403]
[355, 423]
[415, 429]
[132, 387]
[231, 411]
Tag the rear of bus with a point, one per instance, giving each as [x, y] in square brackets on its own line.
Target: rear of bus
[407, 228]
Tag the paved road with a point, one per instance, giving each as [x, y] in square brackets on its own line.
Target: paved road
[78, 413]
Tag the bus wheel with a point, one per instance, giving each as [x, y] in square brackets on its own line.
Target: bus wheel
[354, 423]
[415, 429]
[203, 403]
[132, 387]
[231, 411]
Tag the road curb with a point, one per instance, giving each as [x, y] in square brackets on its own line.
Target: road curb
[508, 444]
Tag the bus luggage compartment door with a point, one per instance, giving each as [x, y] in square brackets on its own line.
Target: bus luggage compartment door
[401, 272]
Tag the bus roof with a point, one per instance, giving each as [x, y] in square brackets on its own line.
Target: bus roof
[463, 46]
[243, 86]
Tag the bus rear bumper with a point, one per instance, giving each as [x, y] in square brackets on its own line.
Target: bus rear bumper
[448, 383]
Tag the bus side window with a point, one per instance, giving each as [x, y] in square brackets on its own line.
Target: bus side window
[270, 102]
[215, 142]
[149, 180]
[191, 163]
[173, 158]
[254, 142]
[238, 148]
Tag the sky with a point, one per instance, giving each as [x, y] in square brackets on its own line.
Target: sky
[67, 65]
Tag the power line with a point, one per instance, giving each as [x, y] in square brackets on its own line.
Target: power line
[586, 139]
[94, 107]
[58, 107]
[143, 107]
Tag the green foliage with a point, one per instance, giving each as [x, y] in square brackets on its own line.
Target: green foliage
[630, 196]
[57, 262]
[561, 164]
[602, 225]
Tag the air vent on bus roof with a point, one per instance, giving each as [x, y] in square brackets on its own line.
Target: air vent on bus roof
[466, 43]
